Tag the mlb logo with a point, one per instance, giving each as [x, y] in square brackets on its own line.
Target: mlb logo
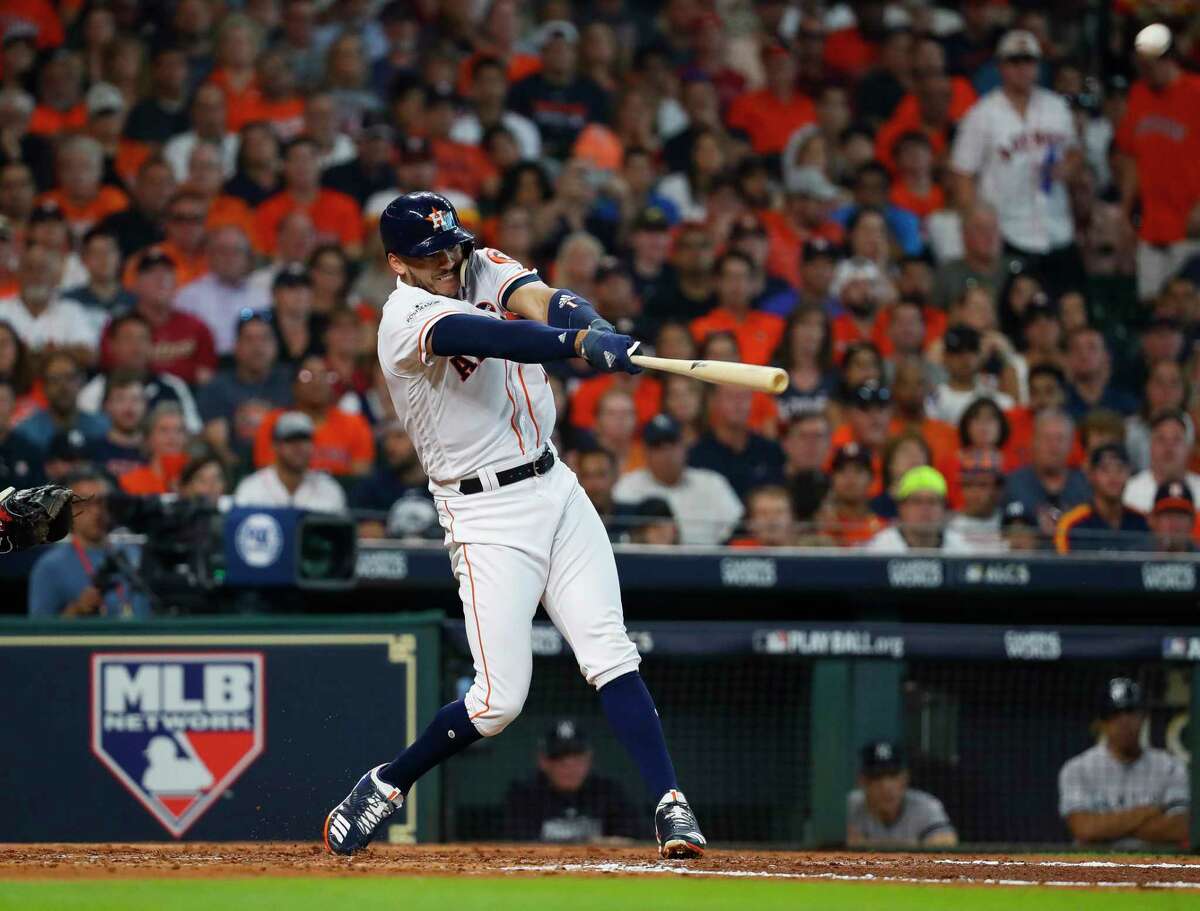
[1175, 647]
[177, 729]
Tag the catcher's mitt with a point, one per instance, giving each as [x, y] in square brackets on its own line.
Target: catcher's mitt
[32, 517]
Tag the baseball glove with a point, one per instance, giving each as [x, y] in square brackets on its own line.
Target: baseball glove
[32, 517]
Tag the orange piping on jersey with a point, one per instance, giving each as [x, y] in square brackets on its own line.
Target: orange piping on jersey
[487, 699]
[529, 407]
[1062, 540]
[512, 420]
[508, 281]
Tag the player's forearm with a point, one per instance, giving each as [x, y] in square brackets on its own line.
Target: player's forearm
[963, 187]
[1173, 828]
[531, 301]
[1088, 827]
[942, 838]
[523, 341]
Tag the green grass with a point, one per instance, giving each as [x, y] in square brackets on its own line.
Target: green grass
[553, 894]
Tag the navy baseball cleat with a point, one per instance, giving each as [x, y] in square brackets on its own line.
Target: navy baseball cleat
[676, 827]
[352, 824]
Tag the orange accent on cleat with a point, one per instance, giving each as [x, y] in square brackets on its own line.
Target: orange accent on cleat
[325, 834]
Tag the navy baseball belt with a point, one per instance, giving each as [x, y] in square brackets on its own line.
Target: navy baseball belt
[540, 465]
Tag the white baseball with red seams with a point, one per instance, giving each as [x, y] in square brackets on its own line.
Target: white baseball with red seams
[538, 540]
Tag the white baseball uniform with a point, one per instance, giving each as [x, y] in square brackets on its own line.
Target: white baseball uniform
[510, 547]
[1013, 157]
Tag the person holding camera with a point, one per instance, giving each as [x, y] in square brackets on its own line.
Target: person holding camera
[81, 576]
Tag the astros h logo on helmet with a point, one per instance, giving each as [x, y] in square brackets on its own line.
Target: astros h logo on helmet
[440, 219]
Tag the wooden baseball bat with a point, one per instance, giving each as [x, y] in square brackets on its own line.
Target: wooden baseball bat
[730, 373]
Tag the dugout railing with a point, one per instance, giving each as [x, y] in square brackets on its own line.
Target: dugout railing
[764, 719]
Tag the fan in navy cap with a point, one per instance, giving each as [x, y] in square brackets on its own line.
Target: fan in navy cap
[885, 811]
[567, 801]
[1020, 528]
[818, 260]
[846, 515]
[869, 416]
[1173, 519]
[702, 501]
[1104, 523]
[1119, 793]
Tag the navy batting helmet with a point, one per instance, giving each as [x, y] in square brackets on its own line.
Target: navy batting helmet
[421, 224]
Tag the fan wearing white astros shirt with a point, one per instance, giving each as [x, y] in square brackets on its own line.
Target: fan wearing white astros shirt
[519, 527]
[1017, 148]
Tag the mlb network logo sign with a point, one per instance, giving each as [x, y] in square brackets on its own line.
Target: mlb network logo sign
[177, 729]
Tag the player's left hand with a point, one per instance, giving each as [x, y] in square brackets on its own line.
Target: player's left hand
[609, 352]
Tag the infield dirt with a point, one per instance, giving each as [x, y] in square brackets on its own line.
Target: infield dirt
[221, 859]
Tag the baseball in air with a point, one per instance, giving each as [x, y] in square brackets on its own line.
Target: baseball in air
[1153, 40]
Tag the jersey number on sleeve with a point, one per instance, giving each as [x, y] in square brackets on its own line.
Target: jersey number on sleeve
[464, 365]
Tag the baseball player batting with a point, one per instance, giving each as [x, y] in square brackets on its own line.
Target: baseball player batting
[519, 528]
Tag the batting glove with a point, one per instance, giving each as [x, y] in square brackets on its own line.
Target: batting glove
[609, 352]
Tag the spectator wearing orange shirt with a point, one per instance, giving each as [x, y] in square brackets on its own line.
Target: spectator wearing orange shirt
[646, 392]
[770, 519]
[722, 345]
[868, 410]
[1159, 141]
[911, 386]
[460, 166]
[914, 188]
[850, 51]
[856, 287]
[615, 430]
[40, 20]
[276, 101]
[846, 515]
[1047, 392]
[206, 178]
[184, 242]
[808, 203]
[770, 115]
[60, 95]
[757, 333]
[497, 39]
[166, 439]
[334, 214]
[81, 196]
[238, 46]
[934, 105]
[342, 442]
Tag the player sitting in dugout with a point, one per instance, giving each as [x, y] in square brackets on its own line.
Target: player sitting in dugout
[1119, 794]
[566, 802]
[885, 812]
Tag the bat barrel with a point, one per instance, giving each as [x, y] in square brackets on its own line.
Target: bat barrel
[749, 376]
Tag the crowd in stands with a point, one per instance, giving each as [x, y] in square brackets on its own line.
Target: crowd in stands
[969, 233]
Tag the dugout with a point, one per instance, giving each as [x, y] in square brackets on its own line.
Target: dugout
[764, 718]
